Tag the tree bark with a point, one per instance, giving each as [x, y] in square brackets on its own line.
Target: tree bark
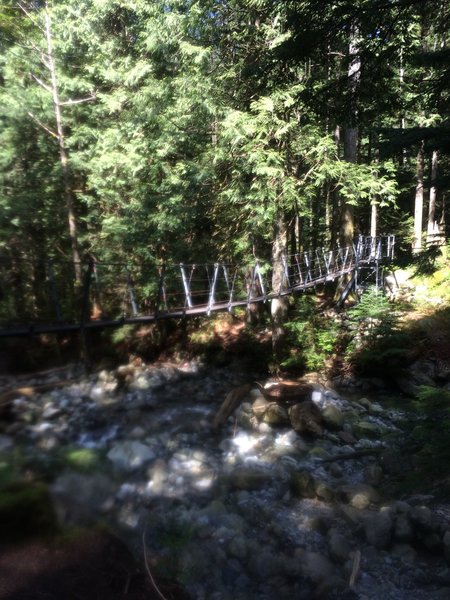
[418, 200]
[63, 154]
[347, 230]
[433, 229]
[279, 306]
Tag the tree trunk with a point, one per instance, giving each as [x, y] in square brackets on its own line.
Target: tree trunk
[279, 306]
[347, 230]
[63, 154]
[374, 220]
[433, 229]
[418, 201]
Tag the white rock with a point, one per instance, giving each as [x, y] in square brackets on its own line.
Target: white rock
[130, 455]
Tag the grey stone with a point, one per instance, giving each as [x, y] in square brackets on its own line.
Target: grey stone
[130, 455]
[378, 529]
[314, 566]
[363, 429]
[405, 552]
[324, 491]
[6, 443]
[446, 545]
[373, 474]
[251, 477]
[276, 414]
[359, 495]
[432, 542]
[421, 516]
[238, 548]
[302, 484]
[260, 406]
[333, 416]
[79, 498]
[306, 418]
[338, 546]
[403, 530]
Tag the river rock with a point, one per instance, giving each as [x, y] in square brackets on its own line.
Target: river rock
[405, 552]
[421, 517]
[302, 484]
[249, 477]
[338, 546]
[315, 566]
[359, 495]
[130, 455]
[364, 429]
[79, 498]
[446, 545]
[373, 475]
[306, 418]
[260, 406]
[333, 417]
[6, 443]
[403, 530]
[378, 529]
[275, 414]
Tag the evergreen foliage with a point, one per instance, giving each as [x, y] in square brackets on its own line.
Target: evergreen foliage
[208, 130]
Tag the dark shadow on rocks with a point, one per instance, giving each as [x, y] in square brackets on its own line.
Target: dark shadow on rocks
[89, 565]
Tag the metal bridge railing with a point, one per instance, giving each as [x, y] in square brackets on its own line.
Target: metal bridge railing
[43, 296]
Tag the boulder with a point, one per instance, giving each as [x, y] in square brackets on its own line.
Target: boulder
[275, 414]
[306, 418]
[332, 416]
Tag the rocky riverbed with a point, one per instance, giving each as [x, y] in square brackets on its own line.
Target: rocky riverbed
[262, 508]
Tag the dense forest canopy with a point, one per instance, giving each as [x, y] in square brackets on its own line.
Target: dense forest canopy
[176, 130]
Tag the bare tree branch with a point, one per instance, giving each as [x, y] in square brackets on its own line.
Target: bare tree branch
[46, 87]
[44, 127]
[79, 101]
[30, 16]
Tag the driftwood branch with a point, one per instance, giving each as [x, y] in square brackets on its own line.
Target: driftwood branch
[230, 404]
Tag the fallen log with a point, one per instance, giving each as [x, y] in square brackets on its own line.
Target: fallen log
[286, 391]
[230, 404]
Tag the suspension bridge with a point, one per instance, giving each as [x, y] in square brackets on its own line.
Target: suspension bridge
[38, 297]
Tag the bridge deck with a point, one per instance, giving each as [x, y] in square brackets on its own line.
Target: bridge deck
[116, 294]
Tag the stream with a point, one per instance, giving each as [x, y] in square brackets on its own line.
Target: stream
[258, 509]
